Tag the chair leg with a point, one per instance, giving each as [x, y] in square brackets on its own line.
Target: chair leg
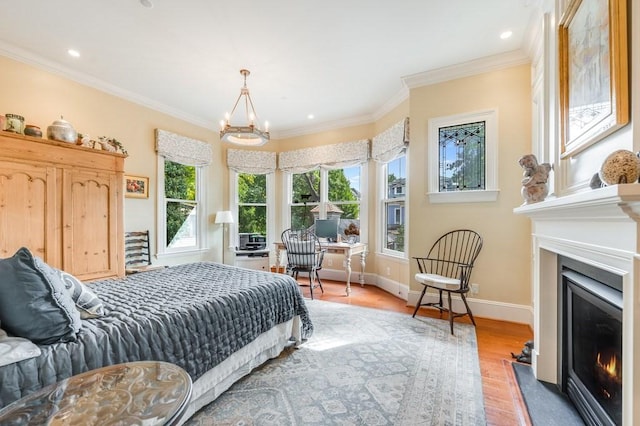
[464, 299]
[424, 290]
[311, 284]
[320, 283]
[451, 314]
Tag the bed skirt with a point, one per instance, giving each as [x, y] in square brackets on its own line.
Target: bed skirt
[220, 378]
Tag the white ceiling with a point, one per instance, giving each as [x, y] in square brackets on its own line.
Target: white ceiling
[341, 60]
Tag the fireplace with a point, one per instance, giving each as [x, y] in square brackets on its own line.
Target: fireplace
[599, 228]
[591, 340]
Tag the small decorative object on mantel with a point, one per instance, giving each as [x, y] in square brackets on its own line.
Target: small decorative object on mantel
[621, 166]
[534, 181]
[596, 182]
[61, 130]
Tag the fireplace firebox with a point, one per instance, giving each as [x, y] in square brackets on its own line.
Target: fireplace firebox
[591, 340]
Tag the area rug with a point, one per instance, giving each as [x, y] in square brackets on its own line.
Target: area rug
[361, 367]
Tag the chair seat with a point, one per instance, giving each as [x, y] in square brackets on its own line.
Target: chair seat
[438, 281]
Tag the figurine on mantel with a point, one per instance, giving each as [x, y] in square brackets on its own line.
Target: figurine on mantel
[534, 181]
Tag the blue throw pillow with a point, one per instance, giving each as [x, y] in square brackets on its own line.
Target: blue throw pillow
[34, 303]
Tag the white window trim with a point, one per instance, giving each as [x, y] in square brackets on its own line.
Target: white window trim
[234, 203]
[161, 229]
[491, 191]
[382, 195]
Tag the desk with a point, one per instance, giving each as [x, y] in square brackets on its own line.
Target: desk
[143, 392]
[348, 250]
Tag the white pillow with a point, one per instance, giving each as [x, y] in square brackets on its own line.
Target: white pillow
[87, 303]
[14, 349]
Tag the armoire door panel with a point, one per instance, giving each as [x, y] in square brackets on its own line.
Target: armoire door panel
[89, 206]
[28, 212]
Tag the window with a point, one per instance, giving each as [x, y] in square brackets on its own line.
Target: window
[252, 203]
[461, 152]
[305, 191]
[462, 158]
[181, 224]
[394, 175]
[327, 194]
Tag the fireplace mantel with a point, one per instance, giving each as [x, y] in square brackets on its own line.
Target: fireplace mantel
[600, 227]
[611, 202]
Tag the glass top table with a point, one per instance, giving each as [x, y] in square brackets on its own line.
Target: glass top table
[143, 392]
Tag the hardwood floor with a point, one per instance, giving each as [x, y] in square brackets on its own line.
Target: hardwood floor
[496, 340]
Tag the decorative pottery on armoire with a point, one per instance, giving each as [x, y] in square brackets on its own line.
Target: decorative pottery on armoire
[14, 123]
[32, 130]
[61, 130]
[621, 166]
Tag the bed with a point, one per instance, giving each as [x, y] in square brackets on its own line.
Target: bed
[217, 322]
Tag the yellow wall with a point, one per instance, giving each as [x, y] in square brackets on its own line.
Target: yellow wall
[42, 97]
[503, 269]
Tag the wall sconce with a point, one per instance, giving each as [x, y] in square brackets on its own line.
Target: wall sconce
[224, 217]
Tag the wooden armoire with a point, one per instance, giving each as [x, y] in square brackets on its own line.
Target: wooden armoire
[64, 202]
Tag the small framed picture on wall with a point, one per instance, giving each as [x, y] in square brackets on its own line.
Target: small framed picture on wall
[136, 186]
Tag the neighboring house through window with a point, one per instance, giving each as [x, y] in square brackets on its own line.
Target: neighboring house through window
[327, 194]
[393, 205]
[326, 182]
[390, 151]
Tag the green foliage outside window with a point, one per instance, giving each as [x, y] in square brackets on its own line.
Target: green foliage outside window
[252, 200]
[180, 193]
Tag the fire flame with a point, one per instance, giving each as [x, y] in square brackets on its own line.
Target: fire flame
[611, 367]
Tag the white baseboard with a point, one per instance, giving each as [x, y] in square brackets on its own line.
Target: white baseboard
[511, 312]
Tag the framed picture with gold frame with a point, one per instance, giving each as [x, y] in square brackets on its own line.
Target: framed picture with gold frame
[136, 186]
[593, 72]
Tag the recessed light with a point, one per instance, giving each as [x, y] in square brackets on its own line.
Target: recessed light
[310, 116]
[505, 35]
[74, 53]
[146, 3]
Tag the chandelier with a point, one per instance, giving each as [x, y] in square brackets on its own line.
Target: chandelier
[249, 135]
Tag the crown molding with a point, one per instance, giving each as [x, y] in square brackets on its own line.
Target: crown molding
[466, 69]
[29, 58]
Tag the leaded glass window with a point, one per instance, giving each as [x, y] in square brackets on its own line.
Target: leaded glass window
[462, 150]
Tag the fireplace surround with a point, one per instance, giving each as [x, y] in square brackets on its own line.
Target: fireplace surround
[599, 228]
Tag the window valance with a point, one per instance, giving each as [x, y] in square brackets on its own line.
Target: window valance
[182, 149]
[338, 155]
[255, 162]
[391, 143]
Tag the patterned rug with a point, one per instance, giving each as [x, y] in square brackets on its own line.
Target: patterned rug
[361, 367]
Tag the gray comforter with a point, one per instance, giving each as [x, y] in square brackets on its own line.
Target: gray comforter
[193, 315]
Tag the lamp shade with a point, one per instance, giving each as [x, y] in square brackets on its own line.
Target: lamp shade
[224, 216]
